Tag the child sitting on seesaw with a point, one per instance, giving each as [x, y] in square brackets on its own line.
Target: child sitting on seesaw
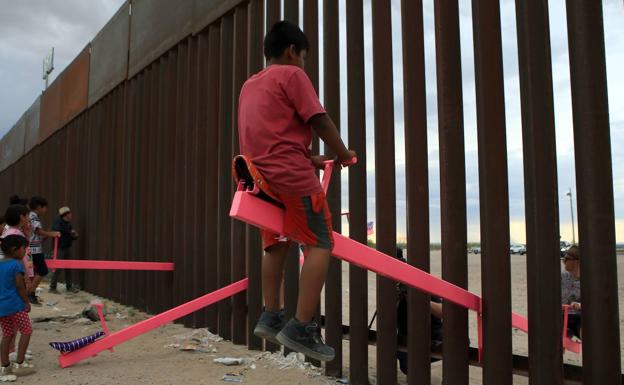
[278, 110]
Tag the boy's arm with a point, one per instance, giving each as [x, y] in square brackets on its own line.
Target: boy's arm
[45, 233]
[327, 131]
[21, 289]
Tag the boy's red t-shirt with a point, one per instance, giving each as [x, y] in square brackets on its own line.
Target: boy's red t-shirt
[274, 109]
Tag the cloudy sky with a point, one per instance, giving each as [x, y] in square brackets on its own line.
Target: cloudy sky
[28, 29]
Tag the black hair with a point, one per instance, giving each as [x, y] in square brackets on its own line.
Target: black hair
[16, 200]
[13, 214]
[10, 243]
[282, 35]
[36, 202]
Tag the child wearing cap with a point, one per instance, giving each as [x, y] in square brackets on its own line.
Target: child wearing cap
[278, 112]
[63, 225]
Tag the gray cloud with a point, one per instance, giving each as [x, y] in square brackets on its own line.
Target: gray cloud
[28, 30]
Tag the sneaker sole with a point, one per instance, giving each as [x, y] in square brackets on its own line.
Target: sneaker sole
[266, 333]
[8, 378]
[293, 345]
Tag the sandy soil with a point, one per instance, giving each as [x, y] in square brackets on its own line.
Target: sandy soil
[156, 358]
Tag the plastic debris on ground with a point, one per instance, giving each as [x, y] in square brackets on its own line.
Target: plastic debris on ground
[203, 336]
[291, 361]
[228, 361]
[231, 378]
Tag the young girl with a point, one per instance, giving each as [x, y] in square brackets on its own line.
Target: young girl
[14, 307]
[17, 223]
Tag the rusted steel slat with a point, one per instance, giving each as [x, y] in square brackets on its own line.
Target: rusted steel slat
[594, 184]
[253, 253]
[493, 193]
[212, 170]
[417, 186]
[452, 186]
[239, 305]
[333, 285]
[541, 201]
[385, 190]
[358, 280]
[178, 205]
[224, 246]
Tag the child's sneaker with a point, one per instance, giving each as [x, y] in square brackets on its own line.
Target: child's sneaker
[13, 356]
[269, 324]
[33, 299]
[6, 374]
[23, 369]
[305, 338]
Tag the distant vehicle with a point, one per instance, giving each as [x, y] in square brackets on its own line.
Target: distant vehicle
[475, 250]
[516, 248]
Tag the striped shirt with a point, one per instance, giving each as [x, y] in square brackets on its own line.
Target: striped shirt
[35, 240]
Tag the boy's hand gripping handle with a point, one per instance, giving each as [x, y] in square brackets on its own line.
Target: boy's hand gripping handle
[329, 167]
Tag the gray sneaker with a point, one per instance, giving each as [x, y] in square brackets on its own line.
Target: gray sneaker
[269, 324]
[305, 338]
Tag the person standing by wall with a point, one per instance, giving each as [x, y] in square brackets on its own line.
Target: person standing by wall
[38, 208]
[63, 225]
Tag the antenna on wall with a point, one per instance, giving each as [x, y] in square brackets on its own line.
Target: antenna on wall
[48, 66]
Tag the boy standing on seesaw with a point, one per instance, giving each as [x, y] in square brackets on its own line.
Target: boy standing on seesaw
[278, 109]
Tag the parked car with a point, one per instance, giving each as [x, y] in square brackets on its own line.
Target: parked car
[475, 250]
[516, 248]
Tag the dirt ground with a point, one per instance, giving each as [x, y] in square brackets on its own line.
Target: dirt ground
[153, 358]
[157, 357]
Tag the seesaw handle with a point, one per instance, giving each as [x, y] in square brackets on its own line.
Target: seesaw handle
[329, 167]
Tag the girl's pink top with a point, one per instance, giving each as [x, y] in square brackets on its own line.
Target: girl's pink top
[28, 267]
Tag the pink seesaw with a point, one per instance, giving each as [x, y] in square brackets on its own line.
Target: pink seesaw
[126, 334]
[81, 264]
[249, 208]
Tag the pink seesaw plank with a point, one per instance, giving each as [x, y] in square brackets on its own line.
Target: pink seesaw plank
[250, 209]
[108, 265]
[152, 323]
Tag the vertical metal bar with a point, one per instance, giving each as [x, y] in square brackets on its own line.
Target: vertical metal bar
[180, 257]
[169, 195]
[594, 184]
[204, 240]
[385, 189]
[311, 29]
[224, 249]
[358, 277]
[291, 268]
[150, 193]
[255, 63]
[452, 186]
[291, 11]
[541, 201]
[239, 311]
[212, 174]
[273, 12]
[417, 187]
[333, 285]
[189, 165]
[493, 193]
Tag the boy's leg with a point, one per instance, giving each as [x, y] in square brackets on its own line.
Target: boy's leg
[272, 275]
[311, 281]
